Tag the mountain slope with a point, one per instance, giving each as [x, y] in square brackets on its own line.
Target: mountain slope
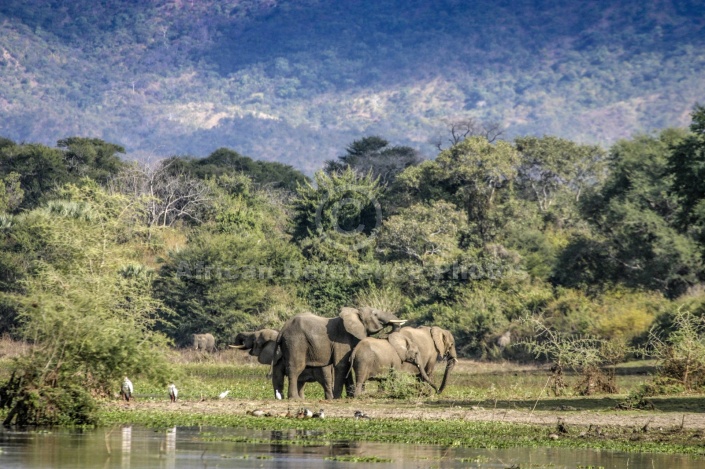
[296, 80]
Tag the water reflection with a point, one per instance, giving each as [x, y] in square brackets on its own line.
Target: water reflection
[126, 447]
[170, 448]
[137, 447]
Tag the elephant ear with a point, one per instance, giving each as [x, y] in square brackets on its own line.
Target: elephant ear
[352, 323]
[439, 342]
[268, 352]
[400, 343]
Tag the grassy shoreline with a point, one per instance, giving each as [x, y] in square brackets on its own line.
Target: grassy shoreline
[485, 405]
[450, 433]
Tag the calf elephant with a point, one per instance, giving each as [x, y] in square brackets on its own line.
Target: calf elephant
[433, 343]
[263, 345]
[307, 340]
[204, 342]
[374, 357]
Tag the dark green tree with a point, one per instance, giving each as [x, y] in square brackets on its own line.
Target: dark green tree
[374, 155]
[635, 242]
[687, 165]
[223, 161]
[91, 157]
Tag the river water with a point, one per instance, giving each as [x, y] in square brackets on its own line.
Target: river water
[132, 447]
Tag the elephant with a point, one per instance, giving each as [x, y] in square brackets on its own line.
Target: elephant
[203, 342]
[434, 343]
[263, 345]
[373, 357]
[315, 341]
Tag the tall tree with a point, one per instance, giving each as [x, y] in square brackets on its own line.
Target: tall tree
[555, 173]
[635, 242]
[474, 174]
[374, 155]
[687, 164]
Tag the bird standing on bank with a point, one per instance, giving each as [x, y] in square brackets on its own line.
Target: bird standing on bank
[126, 389]
[319, 414]
[361, 415]
[224, 394]
[173, 392]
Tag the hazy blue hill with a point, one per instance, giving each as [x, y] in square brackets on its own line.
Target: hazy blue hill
[295, 81]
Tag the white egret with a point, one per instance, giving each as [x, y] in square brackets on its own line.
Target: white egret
[126, 389]
[173, 392]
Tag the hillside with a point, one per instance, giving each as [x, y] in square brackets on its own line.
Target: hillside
[297, 80]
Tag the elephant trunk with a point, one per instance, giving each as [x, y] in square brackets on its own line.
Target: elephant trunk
[449, 366]
[426, 379]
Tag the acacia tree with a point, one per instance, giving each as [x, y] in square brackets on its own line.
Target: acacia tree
[460, 129]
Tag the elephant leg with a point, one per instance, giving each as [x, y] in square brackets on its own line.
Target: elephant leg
[339, 378]
[326, 380]
[278, 371]
[350, 388]
[293, 372]
[360, 378]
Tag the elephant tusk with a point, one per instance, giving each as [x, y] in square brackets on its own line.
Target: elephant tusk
[239, 347]
[398, 321]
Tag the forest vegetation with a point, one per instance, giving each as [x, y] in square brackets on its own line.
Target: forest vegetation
[105, 262]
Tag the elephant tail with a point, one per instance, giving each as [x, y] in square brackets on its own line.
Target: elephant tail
[352, 361]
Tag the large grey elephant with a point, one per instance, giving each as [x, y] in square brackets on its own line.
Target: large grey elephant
[315, 341]
[434, 343]
[203, 342]
[263, 345]
[374, 357]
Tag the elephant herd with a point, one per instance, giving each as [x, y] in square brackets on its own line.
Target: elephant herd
[331, 351]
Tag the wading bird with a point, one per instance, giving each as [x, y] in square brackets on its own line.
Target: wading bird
[126, 389]
[173, 392]
[223, 394]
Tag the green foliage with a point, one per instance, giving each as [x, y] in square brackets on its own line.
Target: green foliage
[11, 193]
[636, 242]
[685, 163]
[555, 173]
[336, 218]
[40, 170]
[89, 319]
[475, 175]
[373, 155]
[586, 356]
[224, 161]
[236, 273]
[423, 233]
